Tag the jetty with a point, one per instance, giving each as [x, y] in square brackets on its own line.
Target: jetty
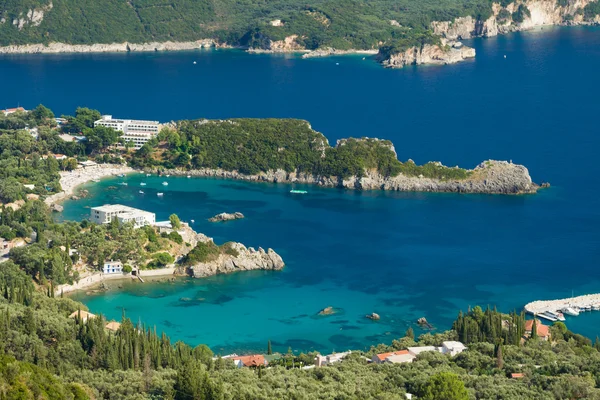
[570, 306]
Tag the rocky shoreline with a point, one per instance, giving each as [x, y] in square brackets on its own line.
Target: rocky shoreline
[489, 177]
[56, 48]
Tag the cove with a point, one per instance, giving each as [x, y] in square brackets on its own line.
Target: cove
[402, 255]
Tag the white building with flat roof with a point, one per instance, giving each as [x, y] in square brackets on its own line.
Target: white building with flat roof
[135, 131]
[107, 213]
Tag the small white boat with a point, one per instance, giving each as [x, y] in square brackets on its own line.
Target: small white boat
[165, 183]
[194, 62]
[141, 192]
[596, 307]
[192, 221]
[96, 180]
[337, 63]
[123, 183]
[189, 176]
[159, 194]
[148, 174]
[560, 316]
[588, 308]
[298, 191]
[570, 311]
[167, 176]
[143, 184]
[505, 56]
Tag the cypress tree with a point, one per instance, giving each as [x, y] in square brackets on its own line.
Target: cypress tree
[597, 343]
[534, 329]
[410, 333]
[270, 350]
[499, 359]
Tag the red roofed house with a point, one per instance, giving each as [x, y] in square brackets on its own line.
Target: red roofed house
[543, 331]
[517, 375]
[380, 358]
[256, 360]
[9, 111]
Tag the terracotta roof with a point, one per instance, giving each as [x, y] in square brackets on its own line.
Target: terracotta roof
[542, 330]
[84, 315]
[9, 110]
[113, 326]
[252, 361]
[517, 375]
[383, 356]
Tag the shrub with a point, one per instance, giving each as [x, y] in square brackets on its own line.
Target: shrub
[203, 252]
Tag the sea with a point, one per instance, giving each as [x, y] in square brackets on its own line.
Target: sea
[527, 97]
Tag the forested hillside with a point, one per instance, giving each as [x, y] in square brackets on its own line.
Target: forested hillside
[338, 23]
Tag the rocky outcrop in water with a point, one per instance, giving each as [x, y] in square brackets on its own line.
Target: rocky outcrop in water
[493, 177]
[448, 53]
[226, 217]
[239, 258]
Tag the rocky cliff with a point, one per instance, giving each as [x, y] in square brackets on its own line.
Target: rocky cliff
[447, 53]
[508, 19]
[493, 177]
[247, 259]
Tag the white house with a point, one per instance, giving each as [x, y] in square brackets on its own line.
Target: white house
[321, 361]
[452, 347]
[135, 131]
[112, 267]
[399, 358]
[107, 213]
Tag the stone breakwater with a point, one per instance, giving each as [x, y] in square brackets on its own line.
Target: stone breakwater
[54, 47]
[541, 306]
[493, 177]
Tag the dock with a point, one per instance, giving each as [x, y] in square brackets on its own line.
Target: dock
[539, 307]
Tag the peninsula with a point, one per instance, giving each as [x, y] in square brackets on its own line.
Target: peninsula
[292, 152]
[416, 33]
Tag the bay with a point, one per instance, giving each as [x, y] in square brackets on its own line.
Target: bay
[403, 255]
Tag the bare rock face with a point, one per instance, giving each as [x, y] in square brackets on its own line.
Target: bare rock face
[451, 53]
[491, 177]
[247, 259]
[226, 217]
[56, 47]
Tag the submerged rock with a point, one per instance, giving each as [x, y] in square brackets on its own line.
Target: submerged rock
[327, 311]
[226, 217]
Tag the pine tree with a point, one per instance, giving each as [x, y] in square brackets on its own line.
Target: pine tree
[269, 349]
[410, 333]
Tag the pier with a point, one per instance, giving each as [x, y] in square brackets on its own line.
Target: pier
[576, 304]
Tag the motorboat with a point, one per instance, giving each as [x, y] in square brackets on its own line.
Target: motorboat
[123, 183]
[192, 221]
[570, 311]
[159, 194]
[165, 183]
[143, 184]
[298, 191]
[141, 192]
[189, 176]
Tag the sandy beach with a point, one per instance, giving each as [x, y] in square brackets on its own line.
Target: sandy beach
[69, 180]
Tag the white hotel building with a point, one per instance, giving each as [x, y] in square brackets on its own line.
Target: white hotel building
[134, 131]
[107, 213]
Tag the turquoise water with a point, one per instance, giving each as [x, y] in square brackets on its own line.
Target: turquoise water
[401, 255]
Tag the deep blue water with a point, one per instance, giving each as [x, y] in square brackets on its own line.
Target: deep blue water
[401, 255]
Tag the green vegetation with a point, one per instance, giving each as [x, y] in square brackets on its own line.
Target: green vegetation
[251, 146]
[342, 24]
[522, 12]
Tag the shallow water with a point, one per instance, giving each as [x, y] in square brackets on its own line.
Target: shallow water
[402, 255]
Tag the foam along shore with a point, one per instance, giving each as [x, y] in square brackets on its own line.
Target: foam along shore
[489, 177]
[69, 180]
[541, 306]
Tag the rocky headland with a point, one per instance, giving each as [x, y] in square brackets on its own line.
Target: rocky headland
[493, 177]
[55, 47]
[246, 259]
